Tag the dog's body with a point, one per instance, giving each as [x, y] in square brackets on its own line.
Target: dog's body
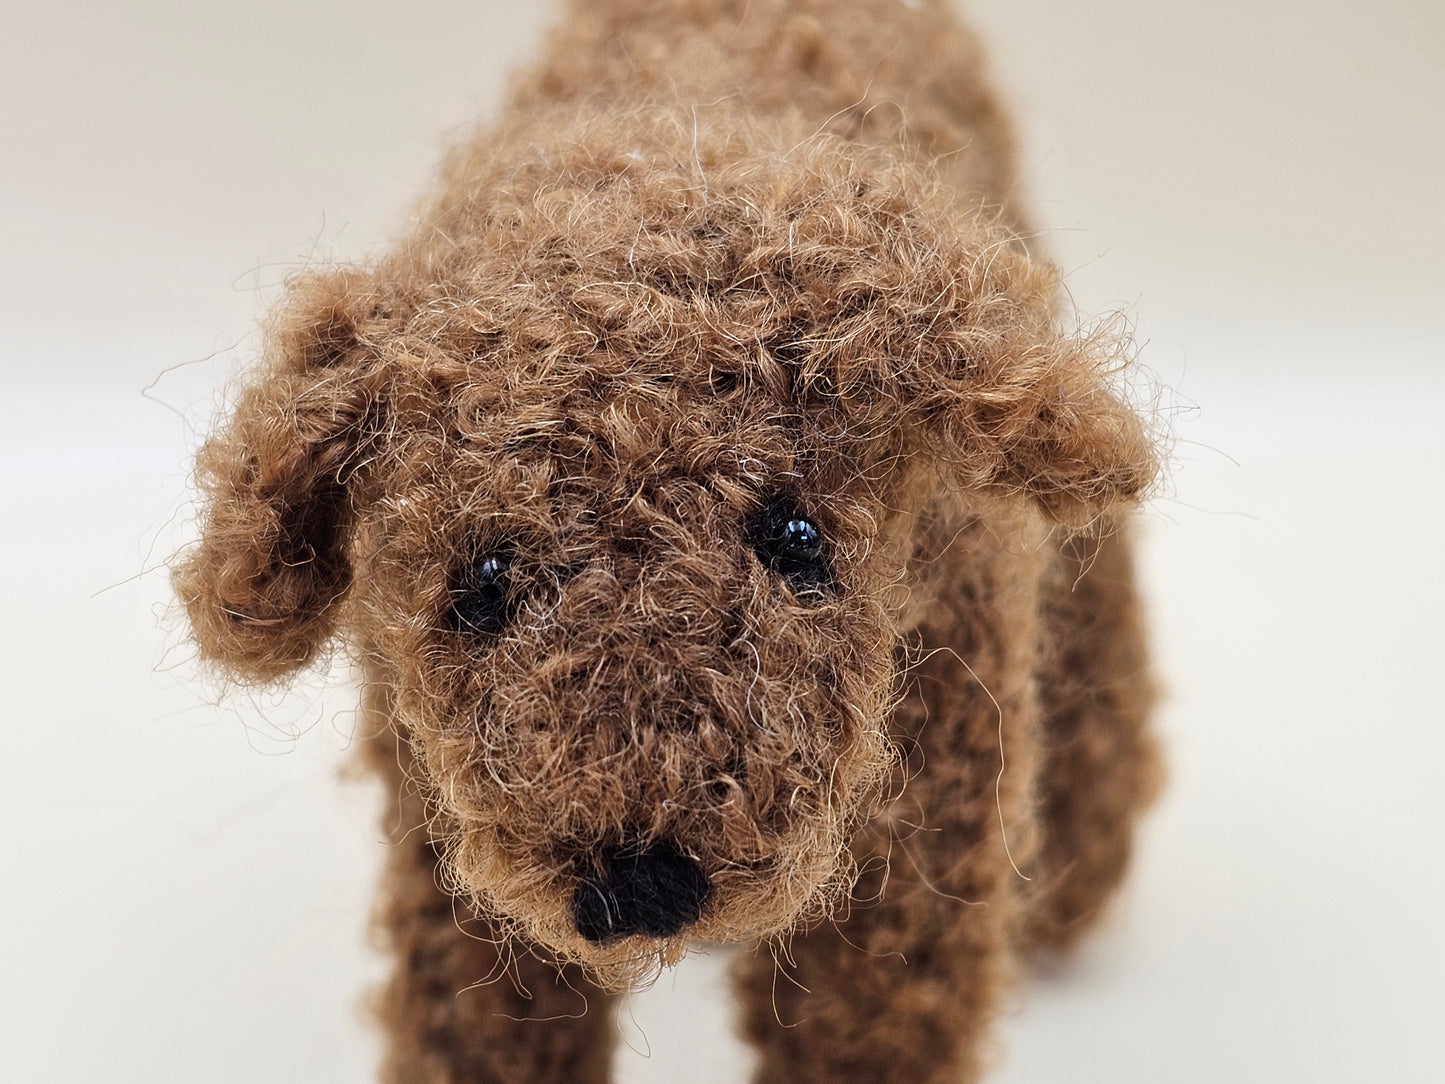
[688, 488]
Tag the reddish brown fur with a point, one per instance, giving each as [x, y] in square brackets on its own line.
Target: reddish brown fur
[715, 250]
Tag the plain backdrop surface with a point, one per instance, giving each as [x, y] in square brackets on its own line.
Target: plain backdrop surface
[186, 878]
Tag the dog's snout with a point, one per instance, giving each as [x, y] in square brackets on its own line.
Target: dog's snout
[654, 890]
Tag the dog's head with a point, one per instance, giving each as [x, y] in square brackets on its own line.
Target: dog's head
[611, 475]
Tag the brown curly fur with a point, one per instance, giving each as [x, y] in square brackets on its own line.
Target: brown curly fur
[715, 251]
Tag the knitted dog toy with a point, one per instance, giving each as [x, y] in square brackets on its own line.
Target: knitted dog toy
[697, 489]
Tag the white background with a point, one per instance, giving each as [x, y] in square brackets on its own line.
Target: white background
[1256, 182]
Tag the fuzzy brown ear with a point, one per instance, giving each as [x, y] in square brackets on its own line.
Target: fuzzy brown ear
[262, 585]
[1033, 410]
[1043, 421]
[932, 332]
[966, 348]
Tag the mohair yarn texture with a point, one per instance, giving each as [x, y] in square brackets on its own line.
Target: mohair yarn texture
[731, 540]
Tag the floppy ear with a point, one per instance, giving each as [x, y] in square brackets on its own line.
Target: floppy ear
[1041, 419]
[262, 585]
[927, 327]
[964, 349]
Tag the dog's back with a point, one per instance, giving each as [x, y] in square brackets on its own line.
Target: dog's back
[883, 71]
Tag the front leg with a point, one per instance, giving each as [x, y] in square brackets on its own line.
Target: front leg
[1101, 767]
[464, 1004]
[901, 992]
[904, 988]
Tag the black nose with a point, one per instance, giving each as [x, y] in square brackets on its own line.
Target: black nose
[654, 890]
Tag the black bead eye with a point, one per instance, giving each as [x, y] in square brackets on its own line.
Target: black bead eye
[482, 600]
[802, 541]
[790, 543]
